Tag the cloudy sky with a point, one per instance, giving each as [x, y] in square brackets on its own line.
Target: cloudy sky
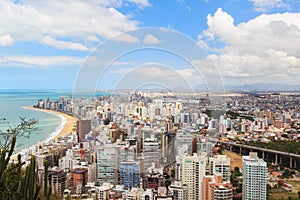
[45, 44]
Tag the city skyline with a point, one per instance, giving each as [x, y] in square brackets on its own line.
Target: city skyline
[44, 44]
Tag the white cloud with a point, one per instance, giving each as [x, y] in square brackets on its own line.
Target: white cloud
[222, 25]
[119, 71]
[159, 73]
[6, 40]
[150, 39]
[40, 61]
[266, 5]
[63, 45]
[142, 3]
[71, 20]
[257, 50]
[124, 37]
[149, 74]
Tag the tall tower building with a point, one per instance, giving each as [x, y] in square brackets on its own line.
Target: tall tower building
[179, 191]
[220, 164]
[108, 157]
[83, 128]
[191, 171]
[214, 188]
[151, 152]
[130, 174]
[57, 180]
[79, 178]
[254, 177]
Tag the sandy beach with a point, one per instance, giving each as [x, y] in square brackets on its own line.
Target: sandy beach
[70, 121]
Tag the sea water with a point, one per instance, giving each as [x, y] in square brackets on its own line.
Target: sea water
[12, 104]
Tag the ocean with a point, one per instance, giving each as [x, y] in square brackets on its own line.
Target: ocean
[11, 108]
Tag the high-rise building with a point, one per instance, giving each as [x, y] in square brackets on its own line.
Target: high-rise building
[163, 194]
[151, 152]
[214, 188]
[179, 190]
[220, 164]
[254, 177]
[108, 164]
[104, 190]
[57, 180]
[191, 170]
[130, 174]
[204, 146]
[134, 194]
[152, 180]
[147, 195]
[92, 168]
[83, 127]
[79, 178]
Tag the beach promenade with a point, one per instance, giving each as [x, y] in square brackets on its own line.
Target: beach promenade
[69, 125]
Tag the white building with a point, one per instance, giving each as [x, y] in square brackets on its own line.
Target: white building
[191, 171]
[220, 164]
[254, 177]
[148, 195]
[108, 157]
[179, 191]
[92, 172]
[103, 191]
[134, 194]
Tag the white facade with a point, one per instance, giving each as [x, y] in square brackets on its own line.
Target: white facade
[220, 164]
[254, 177]
[92, 172]
[108, 164]
[103, 191]
[179, 191]
[134, 194]
[148, 195]
[191, 172]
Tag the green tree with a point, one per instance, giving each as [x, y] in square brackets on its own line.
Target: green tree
[23, 129]
[16, 183]
[236, 169]
[220, 150]
[167, 179]
[286, 174]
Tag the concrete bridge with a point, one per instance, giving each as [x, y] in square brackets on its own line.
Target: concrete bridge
[290, 160]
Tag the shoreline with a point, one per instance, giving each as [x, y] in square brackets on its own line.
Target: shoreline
[65, 128]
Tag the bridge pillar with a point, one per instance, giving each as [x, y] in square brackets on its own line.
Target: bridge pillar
[263, 155]
[280, 159]
[295, 163]
[230, 147]
[276, 159]
[241, 150]
[291, 162]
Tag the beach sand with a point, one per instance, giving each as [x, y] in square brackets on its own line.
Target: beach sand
[69, 125]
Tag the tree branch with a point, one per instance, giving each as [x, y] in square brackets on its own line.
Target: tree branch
[23, 129]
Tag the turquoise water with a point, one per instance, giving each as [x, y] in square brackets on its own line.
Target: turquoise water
[11, 103]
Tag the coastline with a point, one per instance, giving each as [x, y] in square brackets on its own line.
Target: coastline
[65, 128]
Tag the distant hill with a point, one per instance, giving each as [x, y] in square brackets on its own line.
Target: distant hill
[253, 87]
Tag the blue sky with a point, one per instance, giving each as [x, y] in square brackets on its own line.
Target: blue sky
[45, 44]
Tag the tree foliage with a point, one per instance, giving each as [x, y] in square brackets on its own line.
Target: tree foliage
[15, 183]
[281, 145]
[23, 129]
